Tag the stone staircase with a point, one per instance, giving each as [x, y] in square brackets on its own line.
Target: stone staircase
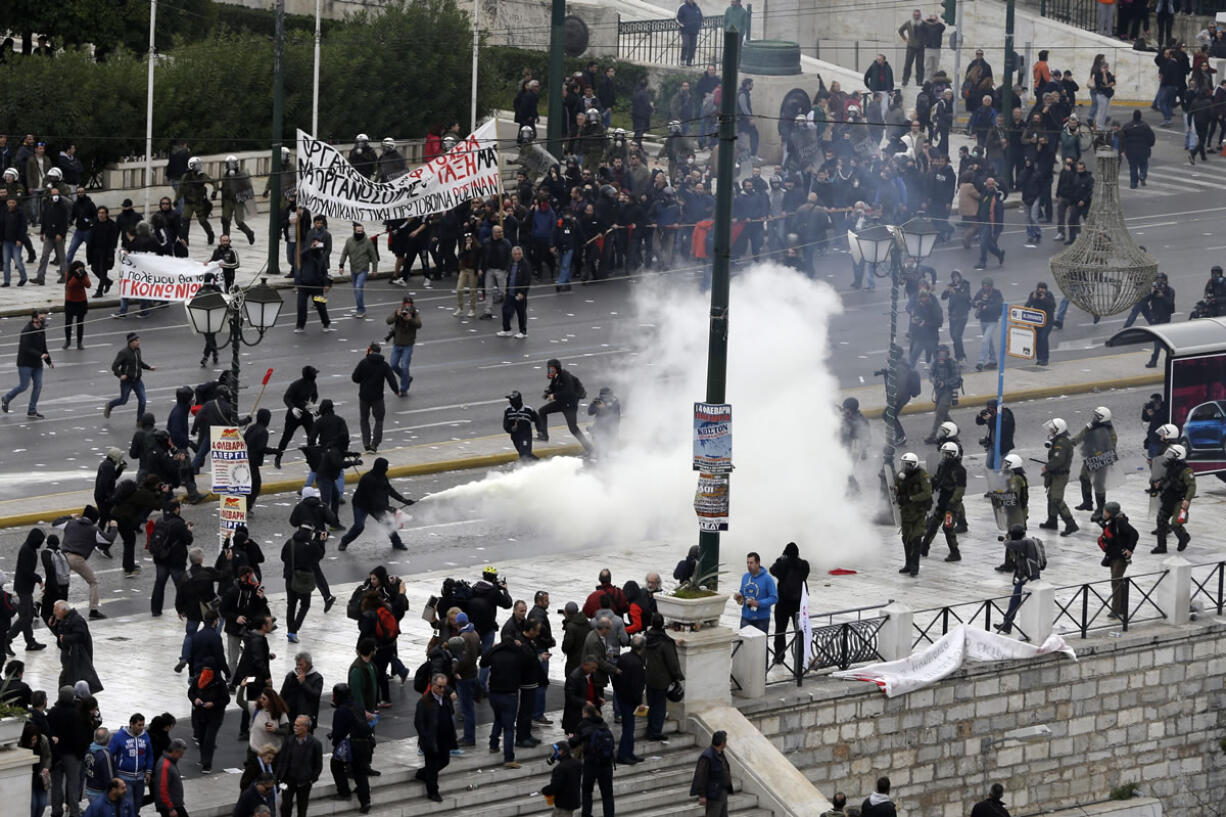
[476, 785]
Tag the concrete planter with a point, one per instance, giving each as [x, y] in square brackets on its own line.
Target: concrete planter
[694, 613]
[10, 731]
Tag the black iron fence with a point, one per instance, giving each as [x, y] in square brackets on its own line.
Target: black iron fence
[1208, 583]
[1084, 13]
[659, 41]
[1110, 603]
[840, 639]
[929, 625]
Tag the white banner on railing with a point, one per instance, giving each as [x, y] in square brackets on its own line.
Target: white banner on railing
[946, 655]
[161, 277]
[328, 185]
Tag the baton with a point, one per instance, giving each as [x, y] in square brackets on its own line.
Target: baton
[264, 385]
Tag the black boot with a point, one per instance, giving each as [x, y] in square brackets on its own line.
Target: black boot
[1161, 548]
[954, 554]
[1184, 537]
[1049, 524]
[250, 233]
[1100, 500]
[1070, 526]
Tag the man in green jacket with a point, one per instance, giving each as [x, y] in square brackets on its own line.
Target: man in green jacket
[1056, 474]
[405, 322]
[913, 493]
[363, 256]
[736, 16]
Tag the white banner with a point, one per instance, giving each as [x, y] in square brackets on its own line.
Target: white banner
[161, 277]
[328, 185]
[233, 513]
[231, 470]
[946, 655]
[806, 624]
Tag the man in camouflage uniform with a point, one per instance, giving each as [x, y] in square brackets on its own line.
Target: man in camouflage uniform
[1098, 441]
[236, 191]
[196, 197]
[1055, 476]
[1175, 492]
[950, 485]
[1016, 501]
[913, 493]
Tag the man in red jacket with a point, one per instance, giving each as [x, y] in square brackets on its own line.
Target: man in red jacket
[606, 588]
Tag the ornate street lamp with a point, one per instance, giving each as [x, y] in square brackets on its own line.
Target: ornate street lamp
[259, 306]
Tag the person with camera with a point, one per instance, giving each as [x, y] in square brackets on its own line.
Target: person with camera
[76, 303]
[31, 355]
[373, 499]
[1161, 306]
[563, 790]
[1042, 300]
[987, 305]
[405, 322]
[946, 377]
[987, 417]
[958, 293]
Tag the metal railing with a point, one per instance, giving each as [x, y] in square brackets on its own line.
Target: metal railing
[833, 646]
[659, 41]
[1084, 13]
[1088, 607]
[929, 625]
[1208, 584]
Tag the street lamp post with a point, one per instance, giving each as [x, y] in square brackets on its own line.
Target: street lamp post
[887, 243]
[210, 311]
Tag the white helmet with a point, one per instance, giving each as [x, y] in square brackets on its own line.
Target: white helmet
[389, 143]
[1175, 452]
[801, 119]
[674, 126]
[232, 161]
[11, 173]
[592, 115]
[55, 173]
[1102, 414]
[1012, 462]
[949, 450]
[449, 141]
[909, 462]
[619, 133]
[362, 139]
[194, 163]
[947, 430]
[1168, 431]
[1055, 427]
[284, 155]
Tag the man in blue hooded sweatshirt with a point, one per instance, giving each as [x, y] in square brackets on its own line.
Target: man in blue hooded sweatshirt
[757, 594]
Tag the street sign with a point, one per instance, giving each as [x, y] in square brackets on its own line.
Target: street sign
[1021, 341]
[1030, 317]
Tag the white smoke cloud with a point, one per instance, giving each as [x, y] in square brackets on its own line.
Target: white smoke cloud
[791, 472]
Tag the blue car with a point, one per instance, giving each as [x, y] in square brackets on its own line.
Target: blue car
[1205, 428]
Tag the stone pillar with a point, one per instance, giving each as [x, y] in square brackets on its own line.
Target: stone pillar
[1174, 595]
[1036, 616]
[706, 661]
[749, 663]
[894, 638]
[15, 765]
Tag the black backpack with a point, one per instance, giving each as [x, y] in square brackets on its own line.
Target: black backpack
[600, 745]
[159, 540]
[421, 678]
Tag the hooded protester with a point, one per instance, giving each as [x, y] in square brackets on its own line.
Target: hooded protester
[109, 471]
[563, 393]
[24, 579]
[372, 498]
[370, 374]
[256, 438]
[518, 420]
[209, 698]
[299, 397]
[57, 573]
[791, 574]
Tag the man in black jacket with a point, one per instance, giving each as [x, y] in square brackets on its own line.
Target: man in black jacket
[563, 393]
[298, 399]
[370, 374]
[100, 249]
[256, 438]
[129, 366]
[434, 721]
[372, 498]
[109, 471]
[712, 781]
[31, 354]
[302, 688]
[196, 594]
[299, 764]
[505, 663]
[1137, 142]
[300, 555]
[1161, 303]
[70, 737]
[312, 277]
[594, 736]
[791, 573]
[242, 603]
[987, 417]
[564, 781]
[628, 686]
[168, 545]
[515, 295]
[52, 230]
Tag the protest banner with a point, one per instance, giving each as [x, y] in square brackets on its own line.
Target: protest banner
[231, 470]
[328, 184]
[161, 278]
[233, 514]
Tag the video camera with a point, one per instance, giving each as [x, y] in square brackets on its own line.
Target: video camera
[556, 752]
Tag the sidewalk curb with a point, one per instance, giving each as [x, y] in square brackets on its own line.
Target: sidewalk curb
[1039, 393]
[285, 486]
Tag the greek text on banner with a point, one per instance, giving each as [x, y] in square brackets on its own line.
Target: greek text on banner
[329, 185]
[160, 277]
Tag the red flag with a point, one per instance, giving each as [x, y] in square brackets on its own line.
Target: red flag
[267, 377]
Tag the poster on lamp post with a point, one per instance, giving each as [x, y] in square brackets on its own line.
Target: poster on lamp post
[711, 502]
[231, 470]
[713, 438]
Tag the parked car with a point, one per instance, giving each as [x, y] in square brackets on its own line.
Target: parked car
[1205, 428]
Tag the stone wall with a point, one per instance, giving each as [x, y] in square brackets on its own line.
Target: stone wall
[1145, 708]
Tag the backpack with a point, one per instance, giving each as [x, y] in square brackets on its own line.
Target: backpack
[599, 748]
[353, 608]
[1040, 553]
[386, 626]
[159, 540]
[421, 678]
[62, 576]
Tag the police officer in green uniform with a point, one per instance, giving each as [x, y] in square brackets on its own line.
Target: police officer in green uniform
[1055, 476]
[195, 196]
[1098, 441]
[949, 482]
[1016, 501]
[913, 493]
[236, 191]
[1175, 492]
